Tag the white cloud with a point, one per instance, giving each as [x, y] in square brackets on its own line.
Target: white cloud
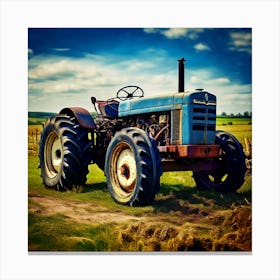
[205, 80]
[202, 47]
[30, 51]
[231, 97]
[195, 80]
[150, 30]
[176, 33]
[56, 82]
[242, 102]
[61, 49]
[157, 53]
[240, 42]
[51, 69]
[222, 81]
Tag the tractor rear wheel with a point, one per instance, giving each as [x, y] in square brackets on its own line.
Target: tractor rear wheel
[231, 177]
[132, 167]
[64, 153]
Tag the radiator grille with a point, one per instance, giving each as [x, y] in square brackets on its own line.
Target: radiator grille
[176, 124]
[204, 118]
[210, 127]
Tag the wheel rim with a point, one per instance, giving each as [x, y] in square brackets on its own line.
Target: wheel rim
[53, 154]
[123, 171]
[218, 178]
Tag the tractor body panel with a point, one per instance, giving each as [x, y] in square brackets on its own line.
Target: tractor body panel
[193, 114]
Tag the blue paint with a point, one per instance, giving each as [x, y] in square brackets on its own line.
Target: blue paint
[198, 113]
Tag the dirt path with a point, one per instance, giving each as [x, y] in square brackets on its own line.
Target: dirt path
[185, 227]
[80, 212]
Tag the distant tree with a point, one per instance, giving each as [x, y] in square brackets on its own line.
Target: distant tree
[246, 114]
[224, 114]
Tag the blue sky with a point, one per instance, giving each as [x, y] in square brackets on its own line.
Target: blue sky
[69, 65]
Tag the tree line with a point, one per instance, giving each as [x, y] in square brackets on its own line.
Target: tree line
[238, 115]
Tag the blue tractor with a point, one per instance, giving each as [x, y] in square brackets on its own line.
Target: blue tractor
[134, 139]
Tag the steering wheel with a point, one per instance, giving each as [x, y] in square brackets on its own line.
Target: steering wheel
[130, 92]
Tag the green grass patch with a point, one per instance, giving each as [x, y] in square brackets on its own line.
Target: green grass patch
[233, 121]
[95, 190]
[57, 233]
[240, 131]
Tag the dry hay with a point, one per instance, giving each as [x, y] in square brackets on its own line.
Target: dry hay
[161, 237]
[239, 237]
[232, 233]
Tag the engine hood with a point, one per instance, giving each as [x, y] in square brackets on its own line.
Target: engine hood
[165, 102]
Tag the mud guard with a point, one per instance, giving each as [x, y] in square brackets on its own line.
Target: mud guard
[82, 115]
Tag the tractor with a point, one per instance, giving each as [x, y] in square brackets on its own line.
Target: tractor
[133, 139]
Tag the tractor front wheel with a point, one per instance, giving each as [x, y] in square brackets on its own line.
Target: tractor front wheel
[231, 176]
[132, 167]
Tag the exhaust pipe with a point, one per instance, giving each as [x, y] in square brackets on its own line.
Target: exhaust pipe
[181, 75]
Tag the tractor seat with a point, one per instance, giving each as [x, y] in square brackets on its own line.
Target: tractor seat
[109, 108]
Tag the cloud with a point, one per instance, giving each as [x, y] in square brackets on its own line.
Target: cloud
[240, 42]
[30, 51]
[63, 74]
[201, 47]
[57, 81]
[61, 49]
[176, 33]
[52, 69]
[222, 81]
[231, 97]
[242, 102]
[151, 30]
[157, 53]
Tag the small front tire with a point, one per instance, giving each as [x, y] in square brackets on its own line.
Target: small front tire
[231, 176]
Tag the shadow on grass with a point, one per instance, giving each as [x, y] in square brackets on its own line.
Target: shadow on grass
[178, 198]
[170, 196]
[94, 187]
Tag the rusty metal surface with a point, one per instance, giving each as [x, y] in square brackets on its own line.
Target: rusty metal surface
[191, 151]
[82, 115]
[209, 164]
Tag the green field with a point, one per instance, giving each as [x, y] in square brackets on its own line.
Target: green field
[181, 218]
[233, 121]
[239, 127]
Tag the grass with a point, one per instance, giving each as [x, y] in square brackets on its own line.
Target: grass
[240, 131]
[182, 217]
[57, 233]
[233, 121]
[176, 201]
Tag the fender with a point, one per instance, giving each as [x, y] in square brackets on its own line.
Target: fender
[82, 115]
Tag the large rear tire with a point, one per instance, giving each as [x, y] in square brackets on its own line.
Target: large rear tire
[64, 153]
[132, 167]
[231, 176]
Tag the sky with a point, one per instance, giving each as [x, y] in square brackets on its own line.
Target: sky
[66, 66]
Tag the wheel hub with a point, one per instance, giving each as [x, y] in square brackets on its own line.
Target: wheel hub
[56, 155]
[53, 155]
[126, 170]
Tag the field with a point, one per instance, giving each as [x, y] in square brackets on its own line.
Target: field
[181, 218]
